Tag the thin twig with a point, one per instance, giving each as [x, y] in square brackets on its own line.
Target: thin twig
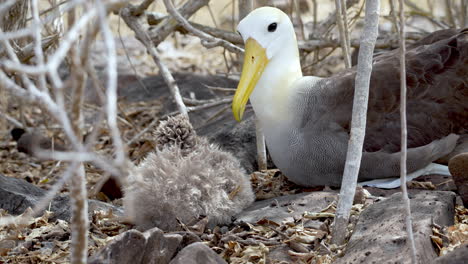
[341, 26]
[167, 26]
[404, 136]
[207, 40]
[449, 13]
[111, 90]
[261, 147]
[12, 120]
[358, 121]
[164, 71]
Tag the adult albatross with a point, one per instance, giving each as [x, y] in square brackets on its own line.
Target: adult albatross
[306, 119]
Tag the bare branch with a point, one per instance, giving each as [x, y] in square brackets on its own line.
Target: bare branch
[38, 43]
[111, 91]
[167, 26]
[261, 147]
[206, 40]
[78, 194]
[404, 135]
[387, 41]
[343, 31]
[12, 120]
[245, 6]
[358, 121]
[141, 35]
[140, 9]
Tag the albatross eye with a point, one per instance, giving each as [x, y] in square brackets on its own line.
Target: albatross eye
[272, 27]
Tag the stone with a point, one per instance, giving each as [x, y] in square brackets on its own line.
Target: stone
[16, 195]
[380, 236]
[458, 167]
[457, 256]
[133, 246]
[197, 253]
[6, 245]
[279, 254]
[281, 208]
[127, 247]
[160, 247]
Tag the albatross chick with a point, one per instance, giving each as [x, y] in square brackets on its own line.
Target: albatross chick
[185, 178]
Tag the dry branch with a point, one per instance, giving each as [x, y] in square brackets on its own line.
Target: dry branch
[145, 39]
[358, 121]
[39, 92]
[167, 26]
[386, 41]
[206, 39]
[343, 28]
[404, 135]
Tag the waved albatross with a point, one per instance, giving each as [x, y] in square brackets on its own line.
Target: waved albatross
[306, 119]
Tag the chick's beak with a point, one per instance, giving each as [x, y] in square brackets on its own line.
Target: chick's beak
[255, 61]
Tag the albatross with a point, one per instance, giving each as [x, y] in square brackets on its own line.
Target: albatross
[306, 119]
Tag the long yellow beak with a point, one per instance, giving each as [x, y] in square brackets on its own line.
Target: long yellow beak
[255, 61]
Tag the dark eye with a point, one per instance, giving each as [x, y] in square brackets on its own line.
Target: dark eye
[272, 27]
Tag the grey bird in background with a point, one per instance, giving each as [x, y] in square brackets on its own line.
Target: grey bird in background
[30, 142]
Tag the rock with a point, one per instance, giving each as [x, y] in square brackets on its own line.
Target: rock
[380, 236]
[280, 208]
[458, 167]
[152, 246]
[127, 247]
[160, 247]
[17, 195]
[6, 245]
[279, 254]
[197, 253]
[457, 256]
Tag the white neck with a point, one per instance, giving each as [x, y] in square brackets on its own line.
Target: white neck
[270, 97]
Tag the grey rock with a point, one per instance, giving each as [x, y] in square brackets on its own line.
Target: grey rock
[279, 254]
[457, 256]
[458, 167]
[280, 208]
[197, 253]
[380, 236]
[160, 248]
[316, 224]
[127, 247]
[152, 246]
[17, 195]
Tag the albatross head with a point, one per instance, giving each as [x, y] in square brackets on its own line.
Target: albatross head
[269, 38]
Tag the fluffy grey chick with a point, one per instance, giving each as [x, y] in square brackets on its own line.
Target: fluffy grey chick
[185, 178]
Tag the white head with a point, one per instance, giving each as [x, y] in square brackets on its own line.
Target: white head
[270, 27]
[271, 58]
